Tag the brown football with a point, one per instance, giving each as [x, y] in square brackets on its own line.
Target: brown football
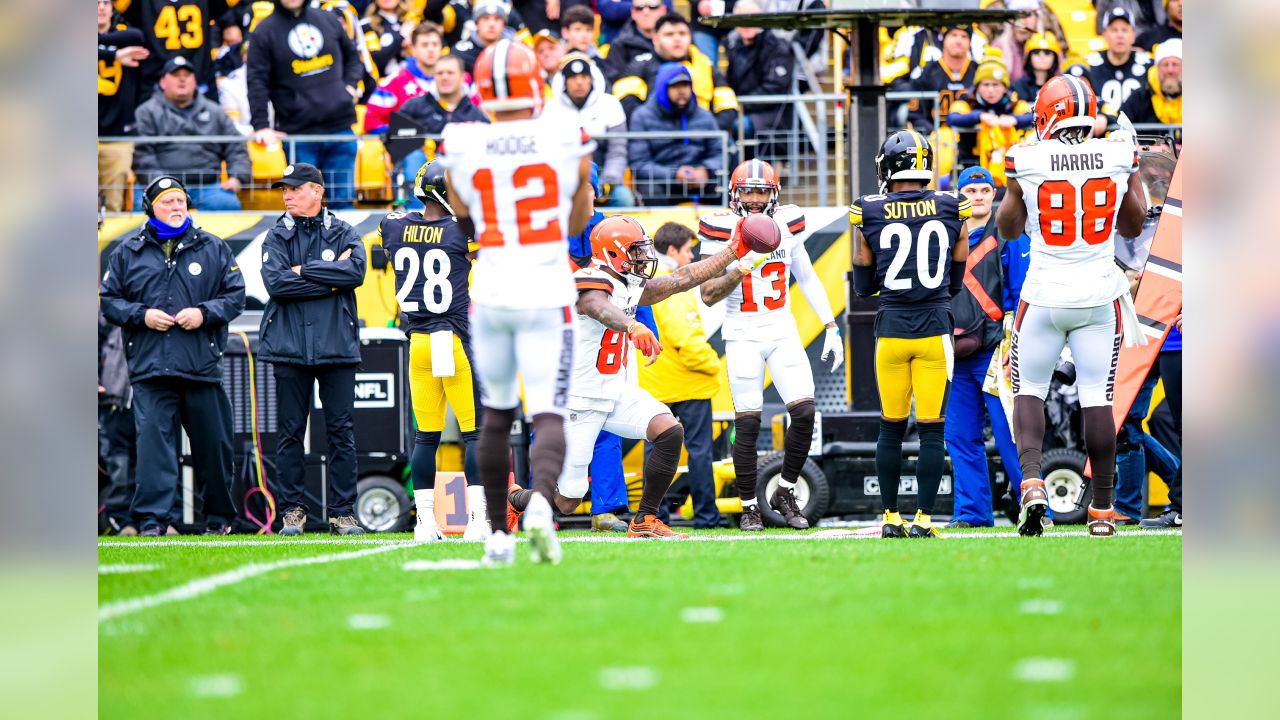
[761, 233]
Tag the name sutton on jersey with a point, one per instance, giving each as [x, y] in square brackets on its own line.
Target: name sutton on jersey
[1076, 162]
[902, 210]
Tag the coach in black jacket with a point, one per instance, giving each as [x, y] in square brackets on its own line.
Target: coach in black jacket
[174, 288]
[312, 262]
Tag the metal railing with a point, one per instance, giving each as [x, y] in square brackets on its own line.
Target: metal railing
[394, 180]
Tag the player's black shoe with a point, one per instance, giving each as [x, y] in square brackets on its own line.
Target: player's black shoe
[893, 526]
[919, 531]
[1035, 503]
[751, 519]
[1168, 520]
[784, 501]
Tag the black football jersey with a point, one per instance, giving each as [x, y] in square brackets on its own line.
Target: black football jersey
[173, 28]
[912, 234]
[432, 268]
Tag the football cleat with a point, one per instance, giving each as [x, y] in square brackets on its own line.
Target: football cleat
[477, 526]
[1035, 503]
[426, 530]
[1168, 520]
[607, 522]
[893, 526]
[1102, 522]
[652, 528]
[922, 526]
[784, 501]
[499, 549]
[751, 519]
[513, 513]
[540, 526]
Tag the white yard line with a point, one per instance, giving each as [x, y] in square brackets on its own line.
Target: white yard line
[122, 568]
[201, 586]
[821, 535]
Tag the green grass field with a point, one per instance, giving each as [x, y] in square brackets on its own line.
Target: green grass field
[976, 625]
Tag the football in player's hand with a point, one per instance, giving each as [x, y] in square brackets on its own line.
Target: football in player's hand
[761, 233]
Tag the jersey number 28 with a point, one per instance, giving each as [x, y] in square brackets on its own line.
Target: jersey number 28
[931, 233]
[435, 267]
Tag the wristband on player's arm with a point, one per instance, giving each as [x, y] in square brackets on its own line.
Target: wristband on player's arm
[865, 283]
[957, 277]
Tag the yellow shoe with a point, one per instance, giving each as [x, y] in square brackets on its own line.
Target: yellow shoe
[893, 526]
[922, 526]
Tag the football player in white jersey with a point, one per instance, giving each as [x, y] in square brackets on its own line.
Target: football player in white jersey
[760, 331]
[603, 394]
[1072, 194]
[522, 187]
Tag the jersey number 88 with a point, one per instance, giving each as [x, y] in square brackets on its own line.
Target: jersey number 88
[930, 233]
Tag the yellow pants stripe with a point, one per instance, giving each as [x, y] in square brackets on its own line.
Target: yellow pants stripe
[429, 394]
[914, 367]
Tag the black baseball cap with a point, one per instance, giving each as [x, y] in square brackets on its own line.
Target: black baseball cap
[298, 174]
[1117, 13]
[177, 63]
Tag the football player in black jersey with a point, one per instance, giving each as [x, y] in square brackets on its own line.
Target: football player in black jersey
[432, 261]
[909, 250]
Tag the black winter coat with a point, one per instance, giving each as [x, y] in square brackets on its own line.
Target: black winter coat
[764, 67]
[202, 273]
[305, 84]
[311, 318]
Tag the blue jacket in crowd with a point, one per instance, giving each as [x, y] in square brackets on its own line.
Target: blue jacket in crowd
[652, 160]
[201, 273]
[311, 318]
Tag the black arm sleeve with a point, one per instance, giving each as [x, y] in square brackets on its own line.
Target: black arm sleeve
[957, 277]
[865, 282]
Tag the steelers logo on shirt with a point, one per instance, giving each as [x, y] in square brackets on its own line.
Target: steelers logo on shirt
[305, 40]
[194, 268]
[326, 255]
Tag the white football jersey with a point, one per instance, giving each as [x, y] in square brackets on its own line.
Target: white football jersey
[603, 359]
[1072, 194]
[759, 308]
[517, 180]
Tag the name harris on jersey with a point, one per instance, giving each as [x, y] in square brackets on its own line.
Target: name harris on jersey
[1076, 162]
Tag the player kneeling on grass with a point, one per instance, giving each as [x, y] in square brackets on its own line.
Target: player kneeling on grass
[909, 251]
[432, 263]
[759, 330]
[604, 394]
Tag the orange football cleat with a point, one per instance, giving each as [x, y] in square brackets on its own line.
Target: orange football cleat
[653, 528]
[513, 515]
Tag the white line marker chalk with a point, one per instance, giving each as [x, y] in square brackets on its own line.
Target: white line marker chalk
[368, 622]
[628, 678]
[216, 686]
[702, 615]
[452, 564]
[123, 568]
[201, 586]
[1040, 607]
[1041, 670]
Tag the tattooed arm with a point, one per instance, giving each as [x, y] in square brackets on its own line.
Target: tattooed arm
[595, 305]
[687, 277]
[713, 291]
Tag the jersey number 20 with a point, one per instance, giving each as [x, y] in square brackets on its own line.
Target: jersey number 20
[435, 267]
[931, 233]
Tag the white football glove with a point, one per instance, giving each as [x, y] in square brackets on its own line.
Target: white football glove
[752, 260]
[833, 345]
[1125, 131]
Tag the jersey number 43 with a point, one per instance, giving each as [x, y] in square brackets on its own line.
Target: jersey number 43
[901, 236]
[434, 265]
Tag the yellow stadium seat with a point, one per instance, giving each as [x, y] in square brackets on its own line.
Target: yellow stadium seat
[373, 172]
[268, 166]
[1079, 21]
[358, 128]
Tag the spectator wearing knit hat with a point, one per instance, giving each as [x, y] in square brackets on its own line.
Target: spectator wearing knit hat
[1159, 100]
[1043, 61]
[579, 96]
[998, 117]
[1172, 30]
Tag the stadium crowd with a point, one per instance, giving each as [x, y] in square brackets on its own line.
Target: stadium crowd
[340, 69]
[349, 69]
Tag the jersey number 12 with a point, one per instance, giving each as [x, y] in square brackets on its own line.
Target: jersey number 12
[931, 233]
[435, 268]
[548, 199]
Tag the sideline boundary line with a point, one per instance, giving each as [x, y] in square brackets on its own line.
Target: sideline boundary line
[586, 539]
[201, 586]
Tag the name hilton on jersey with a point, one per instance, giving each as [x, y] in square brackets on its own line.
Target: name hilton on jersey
[900, 210]
[1076, 163]
[422, 234]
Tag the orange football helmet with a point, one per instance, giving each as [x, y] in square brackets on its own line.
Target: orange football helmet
[620, 243]
[507, 77]
[1065, 103]
[755, 174]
